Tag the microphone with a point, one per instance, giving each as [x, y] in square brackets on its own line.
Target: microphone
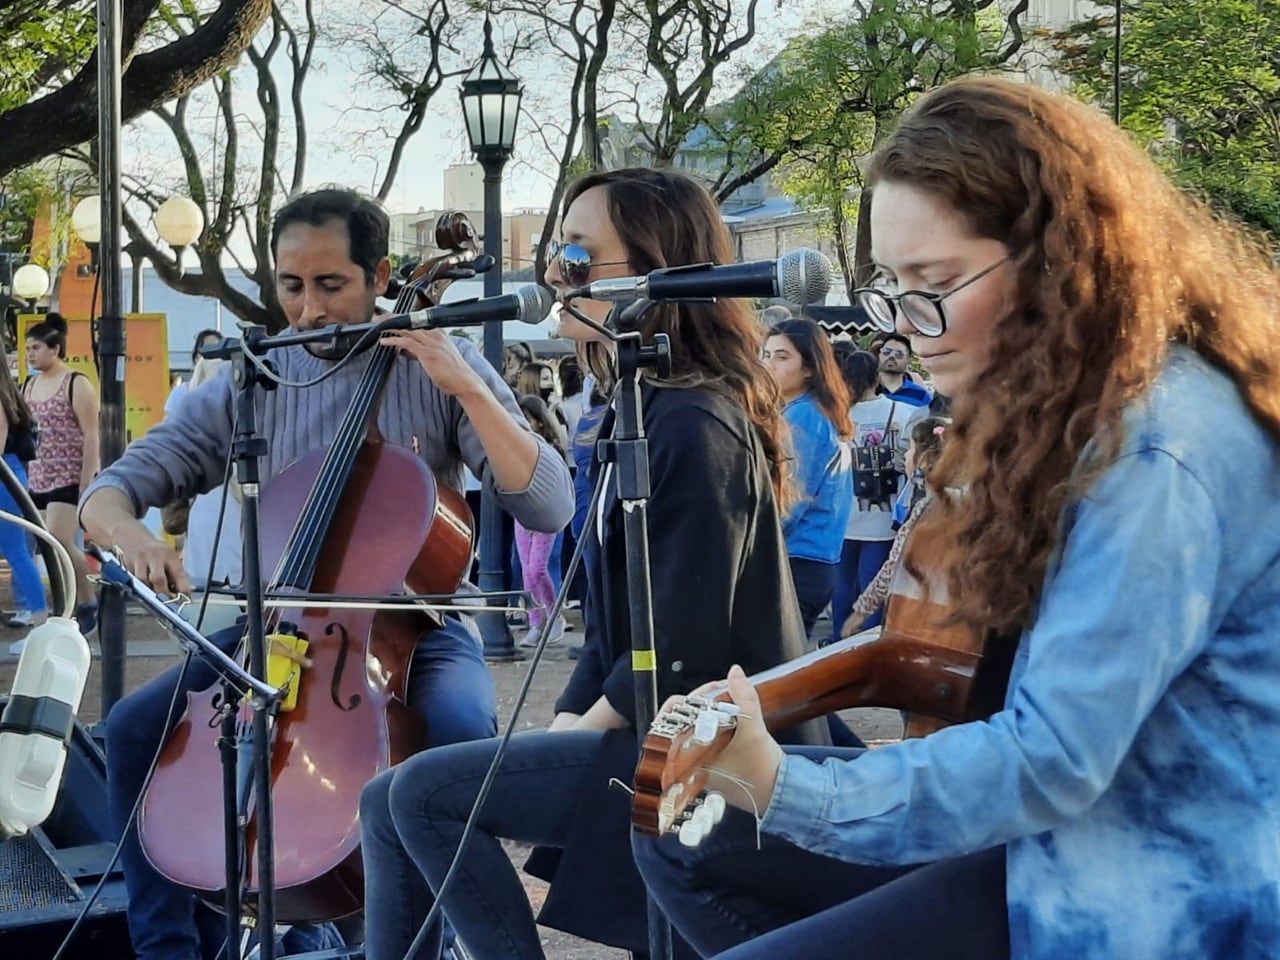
[802, 276]
[529, 304]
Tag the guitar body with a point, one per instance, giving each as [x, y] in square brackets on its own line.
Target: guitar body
[920, 662]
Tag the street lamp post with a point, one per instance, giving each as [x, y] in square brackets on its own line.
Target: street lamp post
[490, 107]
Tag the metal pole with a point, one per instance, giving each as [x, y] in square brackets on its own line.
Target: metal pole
[498, 644]
[111, 337]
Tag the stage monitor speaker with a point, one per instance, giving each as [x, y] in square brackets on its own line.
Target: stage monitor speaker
[47, 876]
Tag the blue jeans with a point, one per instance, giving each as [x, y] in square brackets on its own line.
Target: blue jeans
[815, 582]
[412, 819]
[449, 685]
[860, 561]
[15, 546]
[736, 902]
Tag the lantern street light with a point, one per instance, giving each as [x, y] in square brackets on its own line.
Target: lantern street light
[30, 281]
[490, 106]
[179, 222]
[86, 219]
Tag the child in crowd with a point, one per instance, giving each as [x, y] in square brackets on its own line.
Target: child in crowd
[534, 547]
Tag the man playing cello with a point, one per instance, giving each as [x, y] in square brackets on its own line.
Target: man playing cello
[450, 407]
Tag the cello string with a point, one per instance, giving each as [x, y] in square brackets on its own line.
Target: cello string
[323, 503]
[304, 545]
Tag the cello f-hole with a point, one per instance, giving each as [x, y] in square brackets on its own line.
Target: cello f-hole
[334, 692]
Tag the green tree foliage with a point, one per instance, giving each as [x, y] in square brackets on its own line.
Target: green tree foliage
[40, 41]
[823, 105]
[49, 79]
[1200, 86]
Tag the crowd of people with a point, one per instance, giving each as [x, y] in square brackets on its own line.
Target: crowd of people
[1064, 428]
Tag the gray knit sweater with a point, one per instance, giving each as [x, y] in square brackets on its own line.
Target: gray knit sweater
[187, 453]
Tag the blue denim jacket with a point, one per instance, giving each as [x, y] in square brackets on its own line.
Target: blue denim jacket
[1134, 773]
[815, 526]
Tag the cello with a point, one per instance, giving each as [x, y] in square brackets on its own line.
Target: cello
[338, 522]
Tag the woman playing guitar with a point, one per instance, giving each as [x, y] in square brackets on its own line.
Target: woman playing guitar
[1109, 492]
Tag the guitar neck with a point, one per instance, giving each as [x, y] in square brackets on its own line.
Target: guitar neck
[889, 670]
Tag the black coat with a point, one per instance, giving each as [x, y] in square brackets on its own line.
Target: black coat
[722, 594]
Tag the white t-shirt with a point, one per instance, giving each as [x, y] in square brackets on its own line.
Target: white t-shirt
[868, 521]
[202, 525]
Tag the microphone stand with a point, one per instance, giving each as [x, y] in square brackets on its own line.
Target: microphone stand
[247, 447]
[628, 450]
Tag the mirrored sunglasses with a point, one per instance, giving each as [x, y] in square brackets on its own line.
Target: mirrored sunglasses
[574, 262]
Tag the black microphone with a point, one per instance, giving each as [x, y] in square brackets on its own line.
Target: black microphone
[529, 304]
[802, 276]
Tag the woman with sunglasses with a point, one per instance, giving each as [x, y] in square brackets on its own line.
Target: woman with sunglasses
[721, 591]
[1109, 498]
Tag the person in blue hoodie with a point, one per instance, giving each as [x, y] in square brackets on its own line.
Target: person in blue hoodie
[799, 356]
[1109, 499]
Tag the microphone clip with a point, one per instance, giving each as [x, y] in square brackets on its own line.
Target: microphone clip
[625, 315]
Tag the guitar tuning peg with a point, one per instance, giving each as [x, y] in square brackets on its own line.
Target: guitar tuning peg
[691, 833]
[704, 818]
[706, 726]
[715, 803]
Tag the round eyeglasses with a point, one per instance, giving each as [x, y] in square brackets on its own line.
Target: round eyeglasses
[922, 309]
[574, 262]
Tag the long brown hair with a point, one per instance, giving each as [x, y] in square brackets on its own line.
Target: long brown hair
[1113, 264]
[819, 361]
[666, 219]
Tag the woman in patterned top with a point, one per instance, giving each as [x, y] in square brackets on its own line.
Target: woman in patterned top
[65, 405]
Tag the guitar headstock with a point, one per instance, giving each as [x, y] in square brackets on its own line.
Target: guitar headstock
[673, 771]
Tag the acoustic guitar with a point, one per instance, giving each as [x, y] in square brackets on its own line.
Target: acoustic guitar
[940, 672]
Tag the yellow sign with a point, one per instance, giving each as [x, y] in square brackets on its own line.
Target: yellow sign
[146, 366]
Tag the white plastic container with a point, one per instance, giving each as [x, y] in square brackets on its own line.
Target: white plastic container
[37, 723]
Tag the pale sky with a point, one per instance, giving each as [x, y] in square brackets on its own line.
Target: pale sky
[333, 97]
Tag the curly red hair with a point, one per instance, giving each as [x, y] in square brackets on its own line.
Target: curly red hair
[1114, 264]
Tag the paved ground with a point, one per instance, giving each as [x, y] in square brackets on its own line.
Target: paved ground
[151, 651]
